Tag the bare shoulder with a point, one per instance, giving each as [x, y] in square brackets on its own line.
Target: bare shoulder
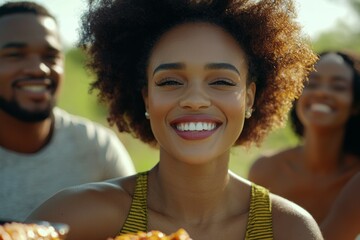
[343, 221]
[93, 211]
[290, 221]
[261, 170]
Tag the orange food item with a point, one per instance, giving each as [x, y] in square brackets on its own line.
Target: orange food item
[20, 231]
[180, 234]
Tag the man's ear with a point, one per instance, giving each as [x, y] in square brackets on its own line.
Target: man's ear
[250, 95]
[144, 93]
[355, 110]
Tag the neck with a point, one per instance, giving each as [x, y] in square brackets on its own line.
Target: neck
[24, 137]
[323, 150]
[193, 193]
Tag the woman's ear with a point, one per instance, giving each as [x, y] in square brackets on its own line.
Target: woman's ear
[144, 93]
[250, 95]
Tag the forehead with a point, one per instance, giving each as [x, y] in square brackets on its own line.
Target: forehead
[333, 65]
[197, 43]
[29, 29]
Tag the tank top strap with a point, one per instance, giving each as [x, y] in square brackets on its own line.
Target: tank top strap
[259, 224]
[137, 218]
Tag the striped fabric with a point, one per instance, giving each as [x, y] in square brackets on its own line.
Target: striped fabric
[137, 219]
[259, 223]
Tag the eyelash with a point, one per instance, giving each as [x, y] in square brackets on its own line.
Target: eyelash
[222, 81]
[14, 54]
[168, 82]
[173, 82]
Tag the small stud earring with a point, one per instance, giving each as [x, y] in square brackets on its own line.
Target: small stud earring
[147, 115]
[248, 113]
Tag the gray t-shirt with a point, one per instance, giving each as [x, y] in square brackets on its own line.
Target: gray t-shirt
[80, 151]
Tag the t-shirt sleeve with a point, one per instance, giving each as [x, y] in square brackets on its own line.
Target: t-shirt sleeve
[118, 161]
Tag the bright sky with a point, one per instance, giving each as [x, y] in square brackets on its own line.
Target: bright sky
[314, 15]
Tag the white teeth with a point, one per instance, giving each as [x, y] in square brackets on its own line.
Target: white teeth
[34, 88]
[320, 107]
[195, 126]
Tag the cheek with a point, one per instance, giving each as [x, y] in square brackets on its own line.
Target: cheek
[348, 103]
[232, 105]
[7, 70]
[159, 106]
[58, 69]
[159, 102]
[6, 77]
[347, 98]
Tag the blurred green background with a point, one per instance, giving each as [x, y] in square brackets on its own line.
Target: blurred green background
[76, 99]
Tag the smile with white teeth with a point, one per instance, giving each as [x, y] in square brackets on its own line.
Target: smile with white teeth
[319, 107]
[195, 126]
[34, 88]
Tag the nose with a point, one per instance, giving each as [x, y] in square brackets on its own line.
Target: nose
[195, 97]
[323, 91]
[36, 67]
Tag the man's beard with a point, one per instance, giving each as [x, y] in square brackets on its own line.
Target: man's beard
[14, 109]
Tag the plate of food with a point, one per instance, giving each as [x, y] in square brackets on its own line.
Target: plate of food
[180, 234]
[13, 230]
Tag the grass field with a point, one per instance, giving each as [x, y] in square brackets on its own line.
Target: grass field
[76, 99]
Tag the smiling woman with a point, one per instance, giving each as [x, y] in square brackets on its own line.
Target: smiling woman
[193, 78]
[194, 89]
[326, 117]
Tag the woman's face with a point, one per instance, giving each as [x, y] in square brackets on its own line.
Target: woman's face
[197, 93]
[327, 99]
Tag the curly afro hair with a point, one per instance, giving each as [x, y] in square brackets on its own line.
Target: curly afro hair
[352, 131]
[119, 35]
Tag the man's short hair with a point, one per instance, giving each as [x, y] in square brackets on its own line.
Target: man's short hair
[24, 7]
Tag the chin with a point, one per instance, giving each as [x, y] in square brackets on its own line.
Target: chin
[21, 113]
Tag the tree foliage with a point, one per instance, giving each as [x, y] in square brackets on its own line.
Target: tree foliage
[342, 36]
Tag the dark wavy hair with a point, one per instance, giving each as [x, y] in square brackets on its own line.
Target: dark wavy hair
[352, 131]
[24, 7]
[119, 35]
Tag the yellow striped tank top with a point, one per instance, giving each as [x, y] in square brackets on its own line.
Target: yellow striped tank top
[259, 224]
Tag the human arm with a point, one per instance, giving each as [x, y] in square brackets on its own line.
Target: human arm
[343, 221]
[290, 221]
[92, 211]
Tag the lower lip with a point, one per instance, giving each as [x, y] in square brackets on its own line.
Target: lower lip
[194, 135]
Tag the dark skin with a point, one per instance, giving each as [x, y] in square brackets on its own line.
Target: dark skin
[29, 53]
[191, 186]
[315, 191]
[313, 174]
[343, 222]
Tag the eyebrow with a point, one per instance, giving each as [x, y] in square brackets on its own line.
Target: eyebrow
[222, 66]
[20, 45]
[168, 66]
[211, 66]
